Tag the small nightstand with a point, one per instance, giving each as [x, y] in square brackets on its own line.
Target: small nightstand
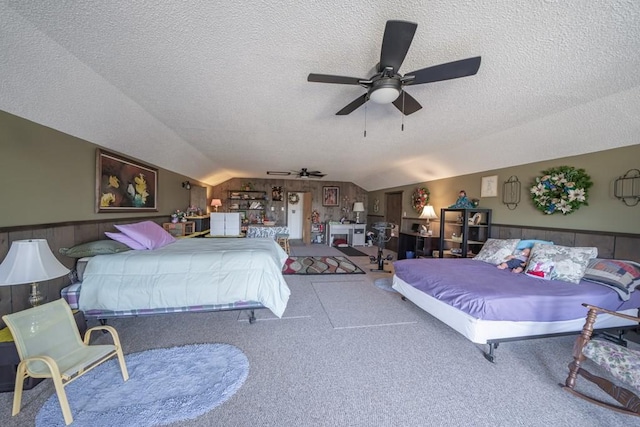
[179, 229]
[9, 357]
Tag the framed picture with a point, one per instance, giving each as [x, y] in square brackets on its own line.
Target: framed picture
[124, 185]
[330, 196]
[489, 186]
[276, 194]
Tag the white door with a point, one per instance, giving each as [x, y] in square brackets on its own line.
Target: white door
[295, 216]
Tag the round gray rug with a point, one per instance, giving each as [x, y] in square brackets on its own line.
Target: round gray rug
[166, 385]
[385, 284]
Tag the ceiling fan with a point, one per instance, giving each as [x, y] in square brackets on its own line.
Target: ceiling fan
[302, 173]
[387, 84]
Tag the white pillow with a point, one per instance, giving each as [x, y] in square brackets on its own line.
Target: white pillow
[554, 262]
[496, 251]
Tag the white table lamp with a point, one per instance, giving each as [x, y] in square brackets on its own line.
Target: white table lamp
[30, 261]
[428, 213]
[357, 208]
[216, 203]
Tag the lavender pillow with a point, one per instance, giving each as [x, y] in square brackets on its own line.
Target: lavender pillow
[123, 238]
[147, 233]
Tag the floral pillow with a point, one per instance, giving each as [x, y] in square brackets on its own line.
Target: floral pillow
[622, 276]
[554, 262]
[496, 251]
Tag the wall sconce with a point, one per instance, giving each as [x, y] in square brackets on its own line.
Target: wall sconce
[216, 203]
[186, 185]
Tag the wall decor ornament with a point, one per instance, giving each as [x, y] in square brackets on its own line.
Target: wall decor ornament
[627, 187]
[511, 192]
[420, 198]
[124, 185]
[294, 198]
[562, 189]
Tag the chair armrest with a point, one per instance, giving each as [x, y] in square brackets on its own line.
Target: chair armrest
[104, 328]
[613, 313]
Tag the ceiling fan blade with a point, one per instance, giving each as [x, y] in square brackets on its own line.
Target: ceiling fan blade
[398, 36]
[278, 173]
[353, 105]
[410, 104]
[326, 78]
[450, 70]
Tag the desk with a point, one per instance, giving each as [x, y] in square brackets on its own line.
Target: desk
[354, 233]
[421, 246]
[266, 231]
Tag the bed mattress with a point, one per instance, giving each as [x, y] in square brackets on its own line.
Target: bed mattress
[452, 301]
[485, 292]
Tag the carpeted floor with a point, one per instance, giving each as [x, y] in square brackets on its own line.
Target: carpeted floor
[350, 251]
[320, 265]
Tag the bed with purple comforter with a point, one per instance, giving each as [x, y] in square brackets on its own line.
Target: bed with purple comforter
[489, 305]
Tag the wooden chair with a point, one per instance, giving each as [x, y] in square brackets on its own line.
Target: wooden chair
[49, 346]
[283, 241]
[623, 364]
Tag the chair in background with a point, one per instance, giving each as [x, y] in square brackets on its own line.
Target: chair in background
[49, 346]
[283, 241]
[621, 362]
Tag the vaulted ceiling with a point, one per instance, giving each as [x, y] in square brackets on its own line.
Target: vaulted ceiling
[218, 89]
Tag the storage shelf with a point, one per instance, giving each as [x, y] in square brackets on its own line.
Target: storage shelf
[477, 232]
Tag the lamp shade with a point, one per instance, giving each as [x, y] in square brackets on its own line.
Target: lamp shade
[428, 213]
[358, 207]
[216, 202]
[30, 261]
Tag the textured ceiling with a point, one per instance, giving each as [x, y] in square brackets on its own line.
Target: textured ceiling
[215, 90]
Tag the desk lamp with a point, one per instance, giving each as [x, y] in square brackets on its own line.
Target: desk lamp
[428, 213]
[357, 208]
[30, 261]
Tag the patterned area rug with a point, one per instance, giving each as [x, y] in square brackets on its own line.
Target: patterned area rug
[320, 265]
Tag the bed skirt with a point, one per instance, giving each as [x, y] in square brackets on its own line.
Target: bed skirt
[72, 294]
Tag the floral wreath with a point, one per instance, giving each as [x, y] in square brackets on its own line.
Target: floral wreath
[294, 198]
[562, 189]
[420, 198]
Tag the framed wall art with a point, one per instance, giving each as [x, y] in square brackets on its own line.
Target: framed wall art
[489, 186]
[276, 194]
[124, 185]
[330, 196]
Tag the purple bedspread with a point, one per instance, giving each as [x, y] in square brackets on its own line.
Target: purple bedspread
[486, 292]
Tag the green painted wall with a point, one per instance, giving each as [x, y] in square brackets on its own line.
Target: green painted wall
[604, 212]
[47, 176]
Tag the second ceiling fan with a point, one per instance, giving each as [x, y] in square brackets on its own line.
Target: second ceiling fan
[387, 84]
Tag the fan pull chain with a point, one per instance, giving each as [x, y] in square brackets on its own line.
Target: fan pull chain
[365, 120]
[402, 127]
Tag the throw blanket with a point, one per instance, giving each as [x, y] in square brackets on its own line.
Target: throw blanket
[188, 272]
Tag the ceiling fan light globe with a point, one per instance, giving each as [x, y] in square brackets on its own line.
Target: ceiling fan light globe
[384, 95]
